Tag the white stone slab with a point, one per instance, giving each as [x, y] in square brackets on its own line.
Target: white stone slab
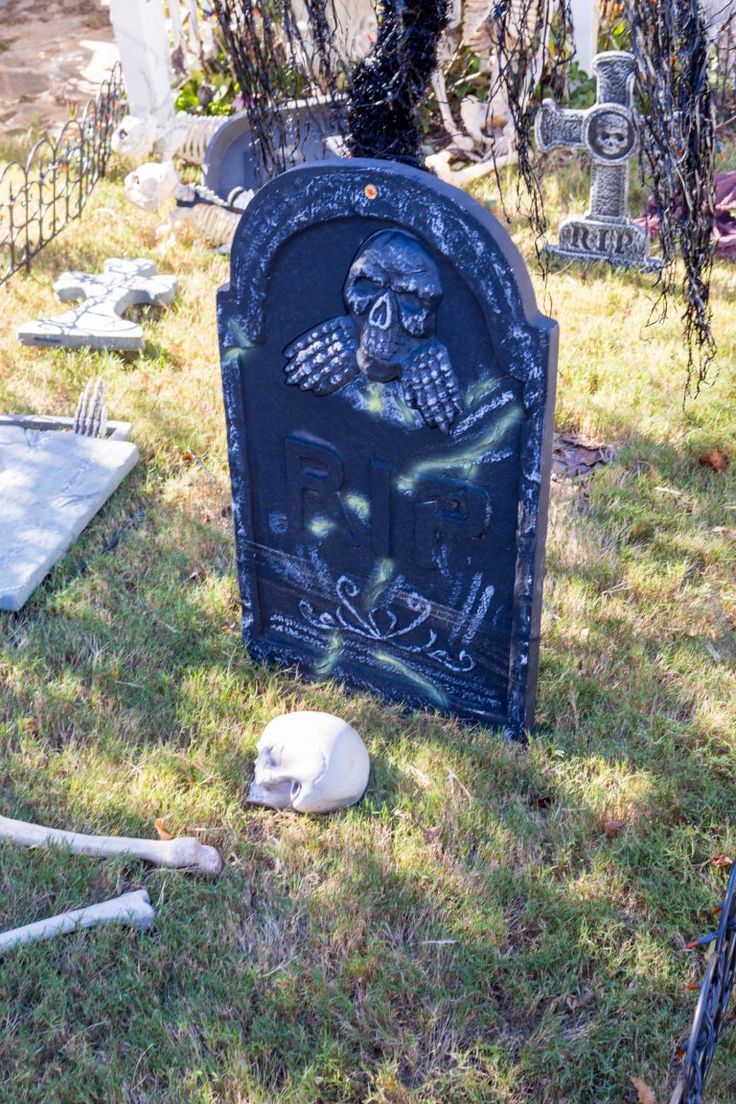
[51, 484]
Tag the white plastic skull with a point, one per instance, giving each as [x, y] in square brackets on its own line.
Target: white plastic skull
[151, 183]
[310, 762]
[135, 137]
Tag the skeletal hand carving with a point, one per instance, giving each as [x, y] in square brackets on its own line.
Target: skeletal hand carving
[430, 386]
[324, 358]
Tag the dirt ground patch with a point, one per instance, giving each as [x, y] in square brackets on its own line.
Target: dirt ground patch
[53, 57]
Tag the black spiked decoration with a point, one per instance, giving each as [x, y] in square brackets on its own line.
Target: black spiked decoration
[390, 82]
[672, 49]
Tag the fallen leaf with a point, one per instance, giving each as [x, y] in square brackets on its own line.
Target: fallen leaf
[727, 532]
[721, 860]
[714, 459]
[194, 575]
[187, 457]
[160, 826]
[613, 827]
[646, 1092]
[430, 834]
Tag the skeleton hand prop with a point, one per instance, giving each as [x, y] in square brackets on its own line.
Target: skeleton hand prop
[184, 853]
[132, 909]
[309, 762]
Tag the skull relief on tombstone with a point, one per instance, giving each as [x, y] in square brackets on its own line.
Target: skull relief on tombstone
[392, 291]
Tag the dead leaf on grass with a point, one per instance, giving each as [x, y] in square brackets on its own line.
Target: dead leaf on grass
[613, 827]
[726, 531]
[646, 1092]
[721, 860]
[714, 459]
[194, 575]
[431, 835]
[576, 455]
[160, 826]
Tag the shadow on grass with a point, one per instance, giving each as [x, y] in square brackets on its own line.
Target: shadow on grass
[522, 954]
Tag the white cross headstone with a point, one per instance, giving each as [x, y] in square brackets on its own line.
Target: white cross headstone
[607, 132]
[97, 322]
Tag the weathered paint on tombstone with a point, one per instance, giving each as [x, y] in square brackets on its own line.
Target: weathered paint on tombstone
[389, 391]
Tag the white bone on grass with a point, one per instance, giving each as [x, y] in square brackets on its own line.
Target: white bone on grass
[134, 910]
[183, 853]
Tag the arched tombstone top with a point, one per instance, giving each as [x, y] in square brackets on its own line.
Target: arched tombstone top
[389, 388]
[449, 222]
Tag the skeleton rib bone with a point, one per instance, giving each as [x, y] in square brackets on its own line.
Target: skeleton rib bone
[131, 909]
[183, 853]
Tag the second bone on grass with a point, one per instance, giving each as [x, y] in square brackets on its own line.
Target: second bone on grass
[134, 910]
[185, 853]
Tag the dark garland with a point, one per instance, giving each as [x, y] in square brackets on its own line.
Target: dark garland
[267, 52]
[523, 30]
[672, 49]
[390, 83]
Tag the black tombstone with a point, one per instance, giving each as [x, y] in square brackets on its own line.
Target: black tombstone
[389, 395]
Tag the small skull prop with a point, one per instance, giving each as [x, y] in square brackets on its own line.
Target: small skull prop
[149, 184]
[310, 762]
[610, 136]
[392, 291]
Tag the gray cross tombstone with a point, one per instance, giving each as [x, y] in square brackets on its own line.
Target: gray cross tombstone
[97, 322]
[607, 132]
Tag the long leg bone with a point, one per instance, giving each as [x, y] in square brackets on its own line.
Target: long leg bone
[132, 909]
[186, 852]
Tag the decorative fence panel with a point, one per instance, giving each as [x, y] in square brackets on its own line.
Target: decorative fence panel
[39, 197]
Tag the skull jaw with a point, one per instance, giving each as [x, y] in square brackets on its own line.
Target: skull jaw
[376, 369]
[277, 795]
[379, 354]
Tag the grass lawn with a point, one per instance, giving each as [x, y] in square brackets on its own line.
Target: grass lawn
[531, 951]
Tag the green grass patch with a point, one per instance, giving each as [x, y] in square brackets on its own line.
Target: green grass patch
[525, 954]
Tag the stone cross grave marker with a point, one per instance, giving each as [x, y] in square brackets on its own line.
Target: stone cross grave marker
[389, 392]
[97, 322]
[607, 132]
[52, 483]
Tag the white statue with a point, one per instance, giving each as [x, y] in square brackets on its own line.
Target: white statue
[486, 136]
[310, 762]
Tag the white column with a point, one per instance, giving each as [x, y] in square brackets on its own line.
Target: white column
[585, 32]
[140, 32]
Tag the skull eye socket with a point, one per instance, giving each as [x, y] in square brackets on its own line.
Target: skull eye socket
[414, 312]
[364, 291]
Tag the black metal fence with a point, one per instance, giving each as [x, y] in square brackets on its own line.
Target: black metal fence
[38, 198]
[715, 993]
